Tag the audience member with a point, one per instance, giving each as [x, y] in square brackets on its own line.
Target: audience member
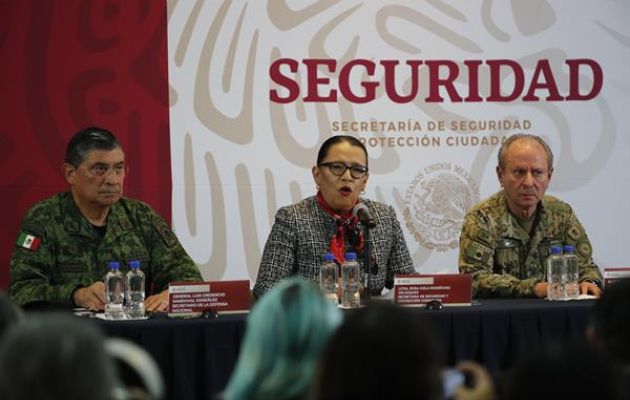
[55, 356]
[10, 313]
[609, 328]
[286, 332]
[384, 351]
[138, 376]
[571, 371]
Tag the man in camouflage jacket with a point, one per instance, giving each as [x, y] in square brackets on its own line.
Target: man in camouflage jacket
[67, 241]
[506, 239]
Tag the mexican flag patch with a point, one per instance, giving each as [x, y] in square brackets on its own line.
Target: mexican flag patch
[28, 241]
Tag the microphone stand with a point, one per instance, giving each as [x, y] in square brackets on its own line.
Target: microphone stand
[367, 251]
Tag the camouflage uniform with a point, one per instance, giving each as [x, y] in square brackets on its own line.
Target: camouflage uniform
[73, 254]
[505, 260]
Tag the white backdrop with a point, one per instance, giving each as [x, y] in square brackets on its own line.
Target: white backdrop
[237, 156]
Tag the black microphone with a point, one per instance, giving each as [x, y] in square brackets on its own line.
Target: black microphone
[363, 213]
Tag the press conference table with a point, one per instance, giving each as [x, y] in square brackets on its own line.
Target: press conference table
[196, 356]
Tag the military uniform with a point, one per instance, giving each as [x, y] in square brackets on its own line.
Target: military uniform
[506, 260]
[65, 252]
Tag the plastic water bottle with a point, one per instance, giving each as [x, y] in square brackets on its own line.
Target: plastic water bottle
[350, 279]
[573, 272]
[328, 278]
[135, 291]
[115, 292]
[556, 275]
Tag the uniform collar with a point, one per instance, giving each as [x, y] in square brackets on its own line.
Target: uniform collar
[76, 223]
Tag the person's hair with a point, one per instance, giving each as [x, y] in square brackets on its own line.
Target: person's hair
[86, 140]
[286, 332]
[10, 313]
[382, 351]
[55, 356]
[567, 371]
[610, 321]
[333, 140]
[138, 375]
[524, 136]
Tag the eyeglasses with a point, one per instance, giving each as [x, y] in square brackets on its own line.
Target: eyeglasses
[100, 170]
[338, 168]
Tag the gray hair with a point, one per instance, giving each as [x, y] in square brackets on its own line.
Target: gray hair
[524, 136]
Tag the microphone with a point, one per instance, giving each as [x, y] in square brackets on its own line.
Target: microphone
[363, 213]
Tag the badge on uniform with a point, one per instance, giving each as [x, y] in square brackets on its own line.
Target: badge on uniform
[29, 242]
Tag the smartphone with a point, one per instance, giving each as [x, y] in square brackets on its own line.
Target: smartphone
[452, 379]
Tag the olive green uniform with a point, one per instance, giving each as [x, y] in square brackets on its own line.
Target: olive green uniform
[508, 261]
[71, 253]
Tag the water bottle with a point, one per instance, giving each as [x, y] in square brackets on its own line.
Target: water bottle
[350, 279]
[135, 291]
[556, 275]
[115, 292]
[328, 278]
[573, 272]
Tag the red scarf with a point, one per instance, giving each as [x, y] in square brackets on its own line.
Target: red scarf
[346, 226]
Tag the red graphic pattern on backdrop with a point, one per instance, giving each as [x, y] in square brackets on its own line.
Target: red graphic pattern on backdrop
[69, 64]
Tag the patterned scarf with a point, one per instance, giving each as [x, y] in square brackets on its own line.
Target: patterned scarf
[346, 228]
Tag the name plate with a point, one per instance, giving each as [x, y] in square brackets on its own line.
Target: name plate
[193, 298]
[612, 274]
[188, 298]
[418, 289]
[230, 297]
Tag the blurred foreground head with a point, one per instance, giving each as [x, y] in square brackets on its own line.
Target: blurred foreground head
[382, 351]
[609, 328]
[55, 356]
[286, 332]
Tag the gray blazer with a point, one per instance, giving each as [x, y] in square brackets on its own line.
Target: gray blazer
[300, 237]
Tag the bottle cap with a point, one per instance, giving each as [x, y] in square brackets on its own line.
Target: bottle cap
[134, 264]
[351, 256]
[329, 257]
[569, 249]
[556, 249]
[113, 265]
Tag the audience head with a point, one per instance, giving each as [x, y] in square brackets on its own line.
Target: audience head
[341, 172]
[10, 313]
[286, 332]
[382, 351]
[138, 376]
[609, 328]
[563, 372]
[55, 356]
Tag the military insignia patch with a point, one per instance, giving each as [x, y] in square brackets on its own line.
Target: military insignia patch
[165, 232]
[478, 252]
[584, 248]
[574, 233]
[29, 241]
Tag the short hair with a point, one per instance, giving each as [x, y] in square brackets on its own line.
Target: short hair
[333, 140]
[391, 350]
[54, 355]
[524, 136]
[10, 313]
[286, 331]
[86, 140]
[554, 372]
[610, 321]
